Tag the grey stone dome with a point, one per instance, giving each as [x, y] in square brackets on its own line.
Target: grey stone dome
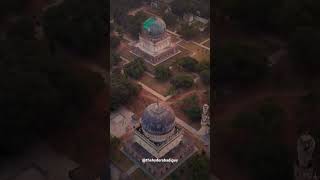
[154, 27]
[158, 119]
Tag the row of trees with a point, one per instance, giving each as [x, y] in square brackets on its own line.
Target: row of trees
[180, 7]
[122, 89]
[192, 65]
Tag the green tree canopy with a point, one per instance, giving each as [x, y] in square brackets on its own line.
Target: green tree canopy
[182, 81]
[191, 107]
[122, 89]
[135, 69]
[188, 63]
[162, 73]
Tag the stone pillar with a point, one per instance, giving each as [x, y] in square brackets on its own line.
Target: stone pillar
[303, 167]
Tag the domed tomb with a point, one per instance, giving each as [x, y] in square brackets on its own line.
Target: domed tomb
[154, 27]
[158, 122]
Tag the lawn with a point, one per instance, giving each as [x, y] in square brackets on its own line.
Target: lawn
[160, 87]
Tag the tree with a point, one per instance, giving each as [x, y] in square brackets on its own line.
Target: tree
[114, 42]
[162, 73]
[114, 58]
[135, 69]
[182, 81]
[115, 142]
[188, 63]
[180, 7]
[122, 89]
[133, 24]
[199, 167]
[190, 106]
[188, 32]
[170, 19]
[205, 76]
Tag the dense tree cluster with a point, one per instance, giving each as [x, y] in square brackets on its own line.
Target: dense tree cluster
[191, 107]
[188, 63]
[114, 58]
[180, 7]
[133, 24]
[170, 19]
[114, 42]
[120, 8]
[188, 32]
[122, 89]
[135, 68]
[162, 73]
[199, 167]
[182, 81]
[78, 25]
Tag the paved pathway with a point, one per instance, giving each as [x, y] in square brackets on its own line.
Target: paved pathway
[132, 169]
[205, 47]
[162, 98]
[205, 41]
[174, 33]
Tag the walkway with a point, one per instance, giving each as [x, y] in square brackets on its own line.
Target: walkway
[132, 169]
[205, 41]
[153, 92]
[205, 47]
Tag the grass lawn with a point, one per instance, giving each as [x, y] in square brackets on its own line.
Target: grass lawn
[160, 87]
[139, 174]
[119, 159]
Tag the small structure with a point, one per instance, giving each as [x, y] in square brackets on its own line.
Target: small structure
[304, 168]
[205, 121]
